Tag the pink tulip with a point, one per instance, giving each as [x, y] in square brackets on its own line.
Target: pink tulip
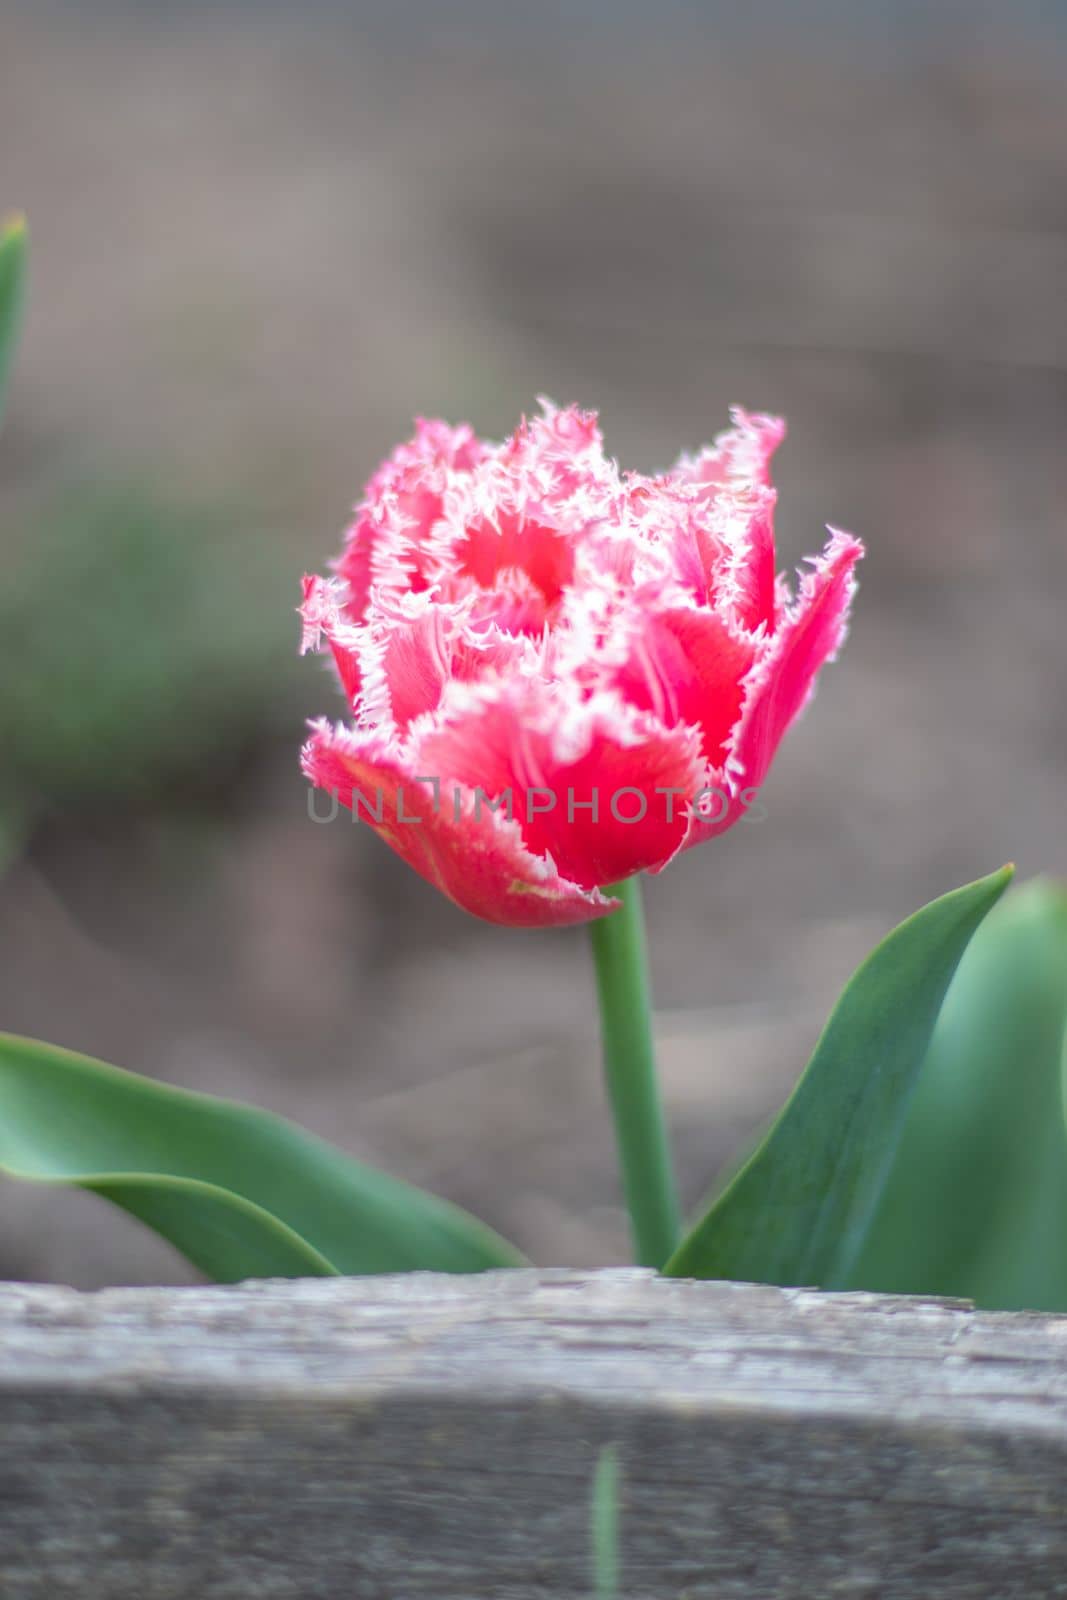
[560, 674]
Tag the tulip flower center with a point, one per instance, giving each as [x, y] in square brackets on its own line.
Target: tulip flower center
[490, 551]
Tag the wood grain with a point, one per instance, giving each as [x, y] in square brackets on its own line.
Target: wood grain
[427, 1436]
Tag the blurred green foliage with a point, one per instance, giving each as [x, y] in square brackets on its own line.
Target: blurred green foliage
[145, 648]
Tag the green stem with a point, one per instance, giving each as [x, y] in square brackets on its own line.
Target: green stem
[630, 1068]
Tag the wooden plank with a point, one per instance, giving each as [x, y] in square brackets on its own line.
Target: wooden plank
[427, 1436]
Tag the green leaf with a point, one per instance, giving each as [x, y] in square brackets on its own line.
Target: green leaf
[239, 1191]
[798, 1210]
[976, 1203]
[12, 293]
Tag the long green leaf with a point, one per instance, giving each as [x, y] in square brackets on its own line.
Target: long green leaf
[976, 1203]
[798, 1210]
[12, 294]
[239, 1191]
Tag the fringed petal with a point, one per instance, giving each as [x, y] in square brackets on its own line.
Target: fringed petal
[740, 456]
[599, 787]
[783, 679]
[322, 617]
[449, 834]
[403, 501]
[687, 666]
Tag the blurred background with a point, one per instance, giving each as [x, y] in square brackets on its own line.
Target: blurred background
[263, 238]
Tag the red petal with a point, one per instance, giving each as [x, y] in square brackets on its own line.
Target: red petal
[355, 565]
[753, 600]
[740, 456]
[417, 665]
[321, 615]
[688, 667]
[811, 636]
[591, 799]
[479, 860]
[405, 495]
[783, 680]
[734, 553]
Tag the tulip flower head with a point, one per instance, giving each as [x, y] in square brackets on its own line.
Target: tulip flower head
[559, 674]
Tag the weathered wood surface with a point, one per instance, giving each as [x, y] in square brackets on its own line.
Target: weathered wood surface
[429, 1436]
